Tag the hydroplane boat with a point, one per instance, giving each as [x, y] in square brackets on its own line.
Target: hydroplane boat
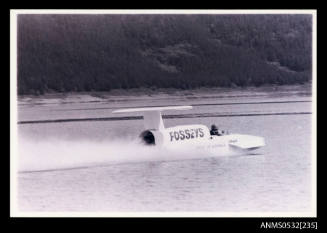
[195, 137]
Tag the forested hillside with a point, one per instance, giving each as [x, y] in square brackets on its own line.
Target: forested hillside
[65, 53]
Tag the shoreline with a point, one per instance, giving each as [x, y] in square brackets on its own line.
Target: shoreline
[307, 87]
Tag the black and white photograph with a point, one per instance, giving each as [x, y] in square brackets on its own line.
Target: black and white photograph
[163, 113]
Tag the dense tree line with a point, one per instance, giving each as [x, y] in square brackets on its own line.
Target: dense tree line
[66, 53]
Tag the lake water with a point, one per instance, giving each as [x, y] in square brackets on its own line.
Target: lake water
[89, 165]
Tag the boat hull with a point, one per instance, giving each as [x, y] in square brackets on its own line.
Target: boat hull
[231, 144]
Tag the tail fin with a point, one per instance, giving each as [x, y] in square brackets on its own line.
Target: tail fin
[152, 115]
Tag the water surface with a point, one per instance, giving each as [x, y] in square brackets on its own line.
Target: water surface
[98, 165]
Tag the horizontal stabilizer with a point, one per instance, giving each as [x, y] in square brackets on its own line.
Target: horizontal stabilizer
[152, 115]
[153, 109]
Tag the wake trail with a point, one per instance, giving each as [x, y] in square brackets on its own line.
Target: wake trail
[55, 154]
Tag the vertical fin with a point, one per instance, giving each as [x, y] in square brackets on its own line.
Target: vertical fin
[153, 120]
